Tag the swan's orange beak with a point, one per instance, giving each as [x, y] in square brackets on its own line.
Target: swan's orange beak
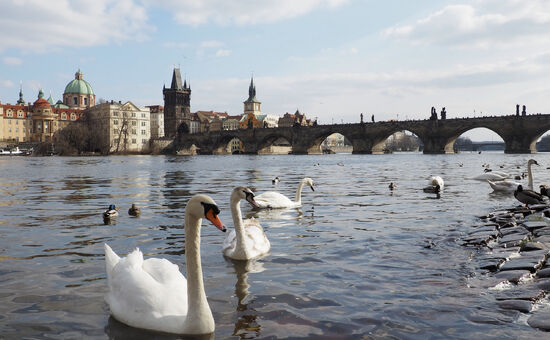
[215, 220]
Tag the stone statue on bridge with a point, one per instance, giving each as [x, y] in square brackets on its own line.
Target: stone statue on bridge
[524, 111]
[517, 109]
[361, 118]
[443, 114]
[434, 114]
[372, 118]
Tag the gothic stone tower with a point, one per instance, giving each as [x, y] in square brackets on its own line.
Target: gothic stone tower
[177, 106]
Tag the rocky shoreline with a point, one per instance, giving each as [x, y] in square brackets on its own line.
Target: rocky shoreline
[512, 247]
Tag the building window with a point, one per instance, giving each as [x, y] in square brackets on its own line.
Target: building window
[115, 131]
[134, 132]
[134, 123]
[20, 114]
[134, 141]
[143, 115]
[16, 129]
[143, 124]
[73, 116]
[115, 122]
[64, 116]
[144, 141]
[143, 132]
[16, 122]
[75, 100]
[133, 115]
[115, 113]
[85, 101]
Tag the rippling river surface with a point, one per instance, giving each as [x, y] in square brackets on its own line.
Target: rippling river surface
[355, 261]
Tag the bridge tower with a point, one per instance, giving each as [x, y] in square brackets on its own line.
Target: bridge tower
[177, 105]
[252, 108]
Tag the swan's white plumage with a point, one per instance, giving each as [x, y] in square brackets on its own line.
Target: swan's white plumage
[275, 200]
[247, 240]
[437, 180]
[489, 176]
[503, 186]
[153, 294]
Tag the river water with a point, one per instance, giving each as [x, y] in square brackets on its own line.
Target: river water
[355, 261]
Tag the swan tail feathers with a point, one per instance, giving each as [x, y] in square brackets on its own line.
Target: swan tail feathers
[111, 259]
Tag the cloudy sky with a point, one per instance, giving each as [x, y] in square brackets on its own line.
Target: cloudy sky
[331, 59]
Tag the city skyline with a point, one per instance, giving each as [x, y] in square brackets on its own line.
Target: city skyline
[331, 59]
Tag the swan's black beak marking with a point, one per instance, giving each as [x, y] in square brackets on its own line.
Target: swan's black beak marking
[250, 199]
[312, 188]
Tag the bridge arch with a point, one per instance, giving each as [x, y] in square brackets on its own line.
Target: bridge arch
[227, 144]
[275, 143]
[450, 144]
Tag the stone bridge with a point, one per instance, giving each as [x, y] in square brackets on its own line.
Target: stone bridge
[520, 134]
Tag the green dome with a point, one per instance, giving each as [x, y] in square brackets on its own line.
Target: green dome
[79, 85]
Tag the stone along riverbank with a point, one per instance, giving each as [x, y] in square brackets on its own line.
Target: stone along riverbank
[511, 250]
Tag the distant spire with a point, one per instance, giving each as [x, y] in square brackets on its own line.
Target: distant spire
[21, 101]
[40, 94]
[252, 89]
[185, 83]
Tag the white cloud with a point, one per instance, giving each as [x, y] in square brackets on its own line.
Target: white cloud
[223, 53]
[38, 26]
[211, 44]
[240, 12]
[12, 61]
[481, 24]
[174, 44]
[6, 83]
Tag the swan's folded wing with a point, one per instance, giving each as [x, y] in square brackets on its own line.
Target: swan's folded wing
[272, 199]
[230, 242]
[255, 233]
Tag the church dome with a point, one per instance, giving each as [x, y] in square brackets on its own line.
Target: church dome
[41, 103]
[79, 85]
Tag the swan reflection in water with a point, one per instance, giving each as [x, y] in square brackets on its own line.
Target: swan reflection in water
[247, 321]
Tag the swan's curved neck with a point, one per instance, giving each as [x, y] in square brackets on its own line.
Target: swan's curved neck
[299, 192]
[530, 176]
[235, 203]
[199, 317]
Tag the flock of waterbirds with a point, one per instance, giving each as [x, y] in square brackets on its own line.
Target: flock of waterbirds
[153, 294]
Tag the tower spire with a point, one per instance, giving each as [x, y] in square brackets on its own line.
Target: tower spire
[21, 101]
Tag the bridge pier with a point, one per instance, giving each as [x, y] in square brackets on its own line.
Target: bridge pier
[520, 144]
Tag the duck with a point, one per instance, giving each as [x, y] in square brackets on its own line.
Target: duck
[275, 180]
[275, 200]
[153, 294]
[247, 240]
[392, 186]
[544, 190]
[437, 180]
[134, 210]
[432, 189]
[527, 196]
[111, 212]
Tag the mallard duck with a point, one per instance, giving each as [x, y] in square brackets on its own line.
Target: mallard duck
[111, 212]
[528, 196]
[544, 190]
[392, 186]
[134, 211]
[275, 180]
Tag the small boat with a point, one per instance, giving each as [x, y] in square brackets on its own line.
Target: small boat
[13, 152]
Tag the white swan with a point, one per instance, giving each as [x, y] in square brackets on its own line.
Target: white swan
[274, 200]
[491, 176]
[504, 185]
[437, 180]
[530, 173]
[153, 294]
[247, 240]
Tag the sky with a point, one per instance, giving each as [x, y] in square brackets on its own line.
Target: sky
[330, 59]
